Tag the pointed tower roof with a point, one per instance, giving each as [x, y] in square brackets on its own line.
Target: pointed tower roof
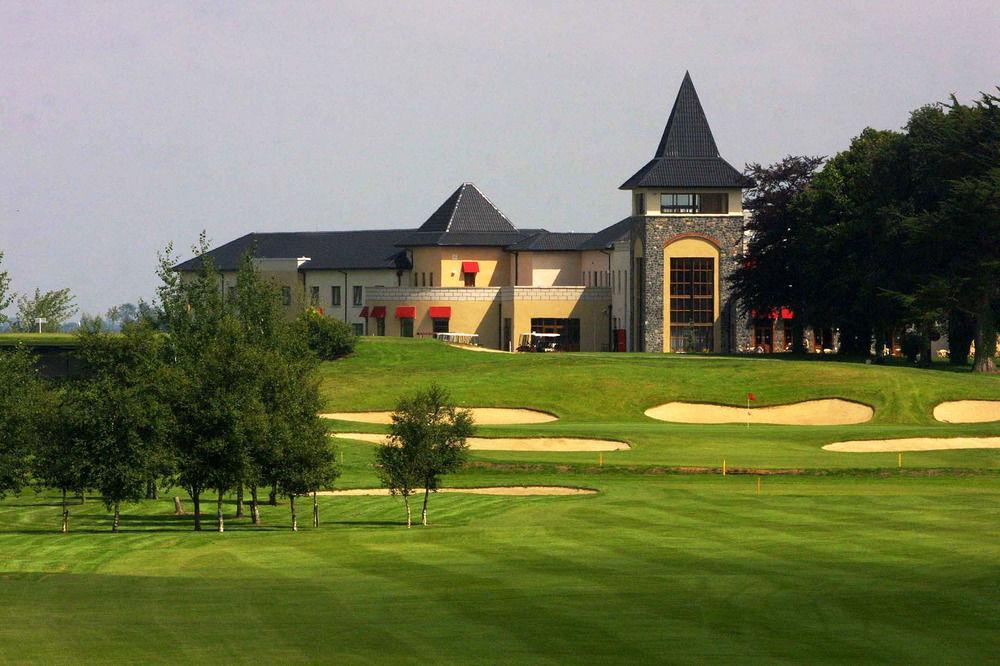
[687, 155]
[466, 217]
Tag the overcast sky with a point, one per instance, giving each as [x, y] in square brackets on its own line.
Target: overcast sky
[127, 125]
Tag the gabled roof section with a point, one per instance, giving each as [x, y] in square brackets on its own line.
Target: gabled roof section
[325, 249]
[549, 241]
[687, 155]
[607, 237]
[466, 217]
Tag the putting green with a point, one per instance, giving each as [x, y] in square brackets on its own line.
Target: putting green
[511, 443]
[830, 411]
[968, 411]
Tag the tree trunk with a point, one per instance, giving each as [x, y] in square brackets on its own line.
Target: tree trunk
[986, 338]
[925, 345]
[178, 508]
[220, 519]
[152, 492]
[65, 513]
[406, 501]
[423, 511]
[797, 335]
[961, 330]
[254, 506]
[315, 510]
[272, 499]
[239, 502]
[295, 518]
[196, 499]
[880, 338]
[118, 518]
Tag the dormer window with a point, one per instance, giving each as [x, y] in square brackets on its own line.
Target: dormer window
[694, 203]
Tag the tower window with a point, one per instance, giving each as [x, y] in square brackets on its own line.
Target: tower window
[640, 204]
[716, 203]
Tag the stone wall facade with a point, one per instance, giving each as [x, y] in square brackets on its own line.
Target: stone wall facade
[656, 232]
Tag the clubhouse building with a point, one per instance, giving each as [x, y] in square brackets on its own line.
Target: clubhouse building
[653, 281]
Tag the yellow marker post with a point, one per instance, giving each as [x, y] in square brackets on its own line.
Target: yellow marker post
[899, 462]
[723, 467]
[600, 459]
[758, 485]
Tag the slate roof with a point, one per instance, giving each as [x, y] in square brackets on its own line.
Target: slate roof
[606, 237]
[687, 155]
[466, 217]
[548, 241]
[325, 249]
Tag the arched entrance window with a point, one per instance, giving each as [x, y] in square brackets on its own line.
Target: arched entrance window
[691, 295]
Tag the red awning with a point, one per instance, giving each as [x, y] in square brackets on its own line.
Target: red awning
[364, 312]
[378, 312]
[470, 266]
[787, 314]
[440, 312]
[406, 312]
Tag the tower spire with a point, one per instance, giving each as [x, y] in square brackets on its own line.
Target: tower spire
[687, 133]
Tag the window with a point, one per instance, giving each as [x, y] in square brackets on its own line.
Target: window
[232, 294]
[286, 296]
[692, 304]
[568, 330]
[679, 203]
[440, 325]
[380, 326]
[430, 282]
[694, 203]
[314, 296]
[359, 329]
[423, 279]
[640, 204]
[406, 327]
[359, 295]
[335, 295]
[470, 279]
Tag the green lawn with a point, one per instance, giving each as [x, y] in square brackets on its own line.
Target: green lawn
[856, 565]
[38, 339]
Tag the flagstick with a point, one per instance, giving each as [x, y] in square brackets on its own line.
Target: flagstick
[748, 410]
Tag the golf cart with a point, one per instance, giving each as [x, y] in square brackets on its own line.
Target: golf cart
[539, 342]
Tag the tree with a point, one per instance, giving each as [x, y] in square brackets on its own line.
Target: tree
[59, 461]
[24, 400]
[116, 414]
[399, 469]
[6, 295]
[956, 163]
[431, 432]
[56, 307]
[772, 275]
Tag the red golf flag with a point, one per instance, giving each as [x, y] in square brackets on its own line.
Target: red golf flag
[751, 397]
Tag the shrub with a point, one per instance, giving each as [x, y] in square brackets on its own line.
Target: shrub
[328, 338]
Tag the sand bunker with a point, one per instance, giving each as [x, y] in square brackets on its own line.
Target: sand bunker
[831, 411]
[565, 444]
[481, 415]
[520, 491]
[477, 348]
[968, 411]
[914, 444]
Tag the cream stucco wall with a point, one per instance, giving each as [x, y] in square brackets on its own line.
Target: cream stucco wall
[347, 280]
[653, 198]
[548, 269]
[687, 248]
[446, 265]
